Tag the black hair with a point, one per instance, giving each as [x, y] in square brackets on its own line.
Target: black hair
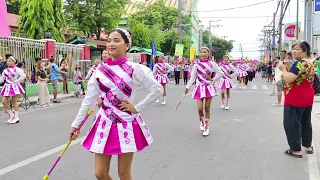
[20, 64]
[62, 60]
[51, 59]
[8, 55]
[37, 59]
[123, 35]
[304, 46]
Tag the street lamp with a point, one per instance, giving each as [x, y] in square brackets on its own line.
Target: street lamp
[48, 35]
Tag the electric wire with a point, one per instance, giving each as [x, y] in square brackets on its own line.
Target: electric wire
[239, 7]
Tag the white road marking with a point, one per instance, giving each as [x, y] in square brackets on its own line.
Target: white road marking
[37, 157]
[254, 86]
[265, 87]
[313, 166]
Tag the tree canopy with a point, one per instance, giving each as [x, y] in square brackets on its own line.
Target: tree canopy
[158, 22]
[39, 16]
[220, 47]
[13, 6]
[90, 17]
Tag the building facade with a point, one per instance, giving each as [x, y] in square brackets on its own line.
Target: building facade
[189, 8]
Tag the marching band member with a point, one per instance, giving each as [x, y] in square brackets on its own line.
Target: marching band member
[12, 76]
[204, 89]
[160, 71]
[118, 128]
[226, 82]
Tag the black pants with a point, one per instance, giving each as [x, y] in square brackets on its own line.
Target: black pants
[250, 75]
[177, 76]
[298, 127]
[246, 79]
[253, 74]
[185, 77]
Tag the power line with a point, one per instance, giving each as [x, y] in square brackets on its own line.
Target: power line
[239, 7]
[237, 17]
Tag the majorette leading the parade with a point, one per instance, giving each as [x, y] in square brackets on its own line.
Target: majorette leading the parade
[226, 82]
[205, 88]
[160, 71]
[118, 128]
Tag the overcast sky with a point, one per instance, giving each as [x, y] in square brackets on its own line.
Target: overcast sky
[244, 30]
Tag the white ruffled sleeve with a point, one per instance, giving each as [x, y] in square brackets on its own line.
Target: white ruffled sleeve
[193, 77]
[235, 71]
[142, 76]
[89, 100]
[89, 73]
[218, 72]
[170, 68]
[21, 75]
[2, 78]
[155, 70]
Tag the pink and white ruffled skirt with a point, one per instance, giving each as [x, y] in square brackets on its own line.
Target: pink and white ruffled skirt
[202, 91]
[226, 83]
[162, 79]
[11, 90]
[242, 73]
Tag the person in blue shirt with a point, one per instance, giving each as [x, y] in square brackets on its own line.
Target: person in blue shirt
[55, 74]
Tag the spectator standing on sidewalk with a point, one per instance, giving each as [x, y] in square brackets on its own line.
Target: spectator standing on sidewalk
[64, 67]
[55, 74]
[279, 82]
[3, 65]
[298, 101]
[43, 78]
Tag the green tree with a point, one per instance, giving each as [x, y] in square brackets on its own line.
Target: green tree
[141, 35]
[220, 47]
[37, 17]
[13, 6]
[162, 21]
[91, 17]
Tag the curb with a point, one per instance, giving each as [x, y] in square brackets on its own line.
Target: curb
[34, 102]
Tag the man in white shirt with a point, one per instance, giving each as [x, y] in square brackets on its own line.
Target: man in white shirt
[279, 83]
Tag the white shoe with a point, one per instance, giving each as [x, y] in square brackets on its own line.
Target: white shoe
[222, 106]
[226, 108]
[164, 103]
[9, 112]
[14, 120]
[158, 101]
[206, 129]
[201, 124]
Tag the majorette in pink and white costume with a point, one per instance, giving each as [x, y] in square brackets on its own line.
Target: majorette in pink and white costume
[114, 131]
[160, 71]
[205, 85]
[226, 81]
[201, 73]
[242, 69]
[91, 71]
[12, 76]
[11, 88]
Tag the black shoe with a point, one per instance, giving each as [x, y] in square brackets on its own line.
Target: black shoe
[56, 101]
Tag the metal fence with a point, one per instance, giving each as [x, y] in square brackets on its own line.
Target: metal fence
[24, 50]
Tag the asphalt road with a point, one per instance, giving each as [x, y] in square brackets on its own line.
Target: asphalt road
[245, 142]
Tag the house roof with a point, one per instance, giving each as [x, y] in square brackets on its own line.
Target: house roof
[133, 6]
[13, 20]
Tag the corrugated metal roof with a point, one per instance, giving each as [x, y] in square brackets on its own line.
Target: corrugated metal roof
[133, 6]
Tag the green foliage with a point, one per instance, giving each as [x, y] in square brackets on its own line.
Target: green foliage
[38, 16]
[220, 47]
[13, 6]
[160, 22]
[142, 35]
[90, 17]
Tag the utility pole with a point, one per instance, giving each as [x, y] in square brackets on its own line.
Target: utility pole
[200, 36]
[241, 50]
[308, 22]
[210, 25]
[280, 28]
[297, 22]
[180, 21]
[274, 36]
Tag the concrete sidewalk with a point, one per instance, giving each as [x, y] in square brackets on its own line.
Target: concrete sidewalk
[34, 99]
